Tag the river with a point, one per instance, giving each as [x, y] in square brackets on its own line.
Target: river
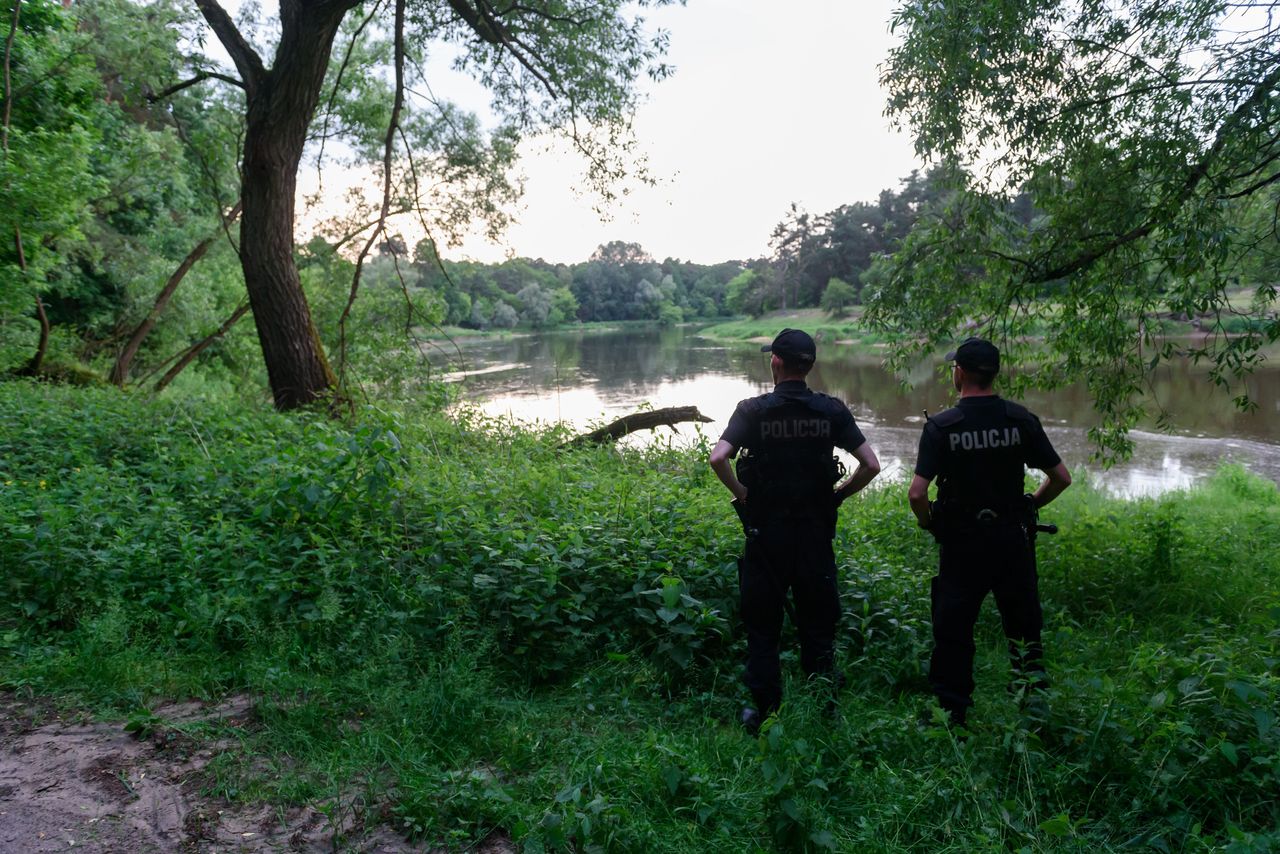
[586, 377]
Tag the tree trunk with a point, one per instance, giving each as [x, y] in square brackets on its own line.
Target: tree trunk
[32, 368]
[199, 347]
[636, 421]
[120, 371]
[280, 108]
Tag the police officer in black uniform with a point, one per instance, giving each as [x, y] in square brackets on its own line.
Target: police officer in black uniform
[787, 491]
[984, 523]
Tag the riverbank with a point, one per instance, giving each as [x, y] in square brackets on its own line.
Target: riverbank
[851, 331]
[451, 630]
[848, 331]
[445, 334]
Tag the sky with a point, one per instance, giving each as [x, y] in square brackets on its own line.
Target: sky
[769, 104]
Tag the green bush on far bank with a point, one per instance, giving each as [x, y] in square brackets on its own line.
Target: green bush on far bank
[546, 641]
[819, 324]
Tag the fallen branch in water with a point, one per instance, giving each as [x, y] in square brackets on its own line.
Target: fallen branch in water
[628, 424]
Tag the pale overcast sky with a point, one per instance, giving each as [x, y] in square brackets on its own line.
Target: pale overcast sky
[770, 104]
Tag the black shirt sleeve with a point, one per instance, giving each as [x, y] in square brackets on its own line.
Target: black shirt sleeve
[1040, 453]
[929, 457]
[738, 431]
[848, 436]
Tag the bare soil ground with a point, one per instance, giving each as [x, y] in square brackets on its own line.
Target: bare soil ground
[68, 783]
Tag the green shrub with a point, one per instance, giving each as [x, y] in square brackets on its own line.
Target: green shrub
[475, 629]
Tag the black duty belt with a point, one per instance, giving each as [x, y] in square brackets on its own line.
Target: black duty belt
[987, 517]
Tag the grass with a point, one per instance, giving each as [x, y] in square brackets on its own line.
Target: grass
[453, 627]
[852, 331]
[848, 331]
[594, 326]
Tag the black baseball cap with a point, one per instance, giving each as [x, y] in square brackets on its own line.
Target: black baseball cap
[976, 354]
[793, 345]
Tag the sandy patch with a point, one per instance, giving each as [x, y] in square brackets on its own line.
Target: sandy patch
[72, 784]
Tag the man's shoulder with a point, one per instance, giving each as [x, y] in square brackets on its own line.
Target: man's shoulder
[827, 403]
[755, 404]
[1018, 412]
[946, 418]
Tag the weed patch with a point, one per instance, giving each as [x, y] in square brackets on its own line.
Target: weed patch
[461, 631]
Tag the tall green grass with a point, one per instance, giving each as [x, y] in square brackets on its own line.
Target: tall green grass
[452, 627]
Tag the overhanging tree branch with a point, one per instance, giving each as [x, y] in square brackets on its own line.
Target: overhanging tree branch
[1103, 100]
[435, 254]
[212, 181]
[337, 80]
[482, 21]
[471, 16]
[388, 149]
[1253, 188]
[247, 61]
[541, 13]
[358, 230]
[190, 354]
[518, 48]
[1265, 89]
[120, 370]
[199, 78]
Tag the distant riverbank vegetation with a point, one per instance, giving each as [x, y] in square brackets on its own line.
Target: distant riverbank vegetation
[849, 329]
[131, 323]
[450, 626]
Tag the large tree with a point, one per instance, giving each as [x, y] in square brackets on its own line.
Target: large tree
[1146, 138]
[562, 64]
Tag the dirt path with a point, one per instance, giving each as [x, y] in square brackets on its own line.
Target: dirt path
[72, 784]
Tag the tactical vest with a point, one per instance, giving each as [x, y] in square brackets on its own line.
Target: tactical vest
[787, 465]
[983, 459]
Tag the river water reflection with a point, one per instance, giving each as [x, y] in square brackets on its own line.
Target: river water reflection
[583, 378]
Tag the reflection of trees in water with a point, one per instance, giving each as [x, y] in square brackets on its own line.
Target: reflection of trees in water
[632, 362]
[1182, 389]
[1195, 403]
[644, 357]
[614, 362]
[552, 359]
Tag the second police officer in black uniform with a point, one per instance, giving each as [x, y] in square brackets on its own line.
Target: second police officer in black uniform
[787, 493]
[984, 524]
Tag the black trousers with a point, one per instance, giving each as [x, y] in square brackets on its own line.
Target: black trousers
[996, 559]
[789, 554]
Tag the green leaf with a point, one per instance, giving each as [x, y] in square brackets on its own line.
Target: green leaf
[672, 776]
[1059, 825]
[824, 840]
[1265, 721]
[668, 615]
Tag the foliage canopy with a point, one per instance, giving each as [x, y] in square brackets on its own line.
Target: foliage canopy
[1145, 136]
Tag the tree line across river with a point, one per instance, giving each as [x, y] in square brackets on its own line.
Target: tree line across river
[818, 260]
